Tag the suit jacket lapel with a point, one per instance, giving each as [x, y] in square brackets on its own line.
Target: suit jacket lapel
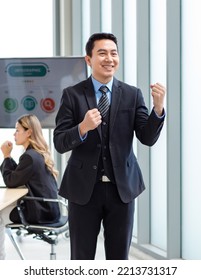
[91, 99]
[89, 94]
[116, 97]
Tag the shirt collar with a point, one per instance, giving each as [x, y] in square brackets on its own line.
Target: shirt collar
[97, 84]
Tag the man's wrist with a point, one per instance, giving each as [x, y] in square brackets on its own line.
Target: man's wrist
[159, 112]
[7, 156]
[82, 131]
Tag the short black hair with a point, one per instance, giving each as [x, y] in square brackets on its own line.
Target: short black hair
[98, 36]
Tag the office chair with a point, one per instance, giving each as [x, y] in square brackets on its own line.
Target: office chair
[46, 232]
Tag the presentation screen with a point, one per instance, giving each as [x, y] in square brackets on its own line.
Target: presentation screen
[35, 85]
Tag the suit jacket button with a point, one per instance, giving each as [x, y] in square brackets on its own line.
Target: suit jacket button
[94, 167]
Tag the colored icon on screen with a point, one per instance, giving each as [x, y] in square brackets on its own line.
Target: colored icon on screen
[29, 103]
[47, 104]
[10, 105]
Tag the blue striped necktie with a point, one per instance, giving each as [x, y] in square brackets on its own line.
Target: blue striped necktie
[103, 104]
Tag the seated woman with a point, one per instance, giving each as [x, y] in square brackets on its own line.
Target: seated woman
[35, 170]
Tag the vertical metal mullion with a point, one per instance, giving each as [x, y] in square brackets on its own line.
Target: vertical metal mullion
[66, 27]
[174, 129]
[77, 27]
[117, 30]
[95, 16]
[143, 81]
[56, 27]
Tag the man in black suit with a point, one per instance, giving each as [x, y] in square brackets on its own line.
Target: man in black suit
[102, 177]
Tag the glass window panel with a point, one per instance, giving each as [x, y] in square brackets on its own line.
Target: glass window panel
[191, 115]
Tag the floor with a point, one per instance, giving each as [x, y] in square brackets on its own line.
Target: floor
[33, 249]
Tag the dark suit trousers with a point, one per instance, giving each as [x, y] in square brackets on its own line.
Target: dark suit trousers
[104, 206]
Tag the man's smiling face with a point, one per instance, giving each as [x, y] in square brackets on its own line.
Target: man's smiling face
[104, 60]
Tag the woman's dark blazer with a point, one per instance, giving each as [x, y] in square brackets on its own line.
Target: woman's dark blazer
[33, 173]
[128, 115]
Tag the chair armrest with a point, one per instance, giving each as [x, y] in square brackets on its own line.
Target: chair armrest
[44, 199]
